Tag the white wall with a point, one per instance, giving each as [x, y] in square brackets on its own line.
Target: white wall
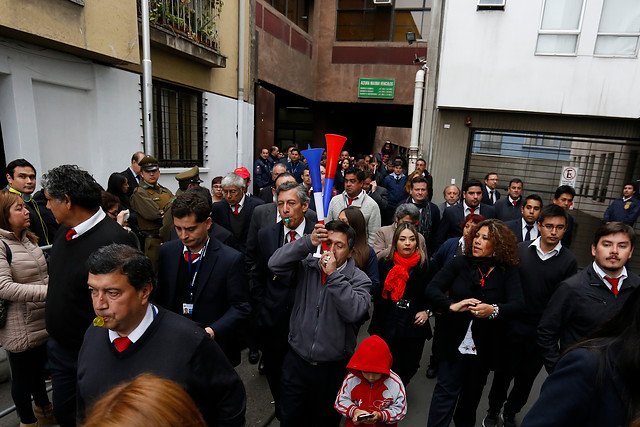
[57, 108]
[488, 61]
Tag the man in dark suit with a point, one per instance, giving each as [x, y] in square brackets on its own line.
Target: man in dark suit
[377, 192]
[429, 213]
[508, 208]
[563, 197]
[268, 194]
[133, 172]
[586, 300]
[274, 299]
[203, 279]
[234, 212]
[454, 216]
[526, 227]
[490, 193]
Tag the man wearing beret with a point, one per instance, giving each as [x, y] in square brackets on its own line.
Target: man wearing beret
[150, 201]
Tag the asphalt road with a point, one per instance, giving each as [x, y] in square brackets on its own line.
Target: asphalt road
[260, 407]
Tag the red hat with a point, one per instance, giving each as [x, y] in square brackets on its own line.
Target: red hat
[242, 172]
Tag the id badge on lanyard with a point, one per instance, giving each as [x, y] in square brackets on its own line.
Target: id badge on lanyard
[187, 307]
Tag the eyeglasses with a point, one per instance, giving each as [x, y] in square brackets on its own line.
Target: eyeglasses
[551, 227]
[229, 191]
[113, 212]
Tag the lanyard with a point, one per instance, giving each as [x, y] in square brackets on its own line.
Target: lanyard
[195, 274]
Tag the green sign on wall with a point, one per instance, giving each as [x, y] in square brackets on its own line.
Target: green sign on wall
[376, 88]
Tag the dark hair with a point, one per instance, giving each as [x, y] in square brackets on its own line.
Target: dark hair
[359, 173]
[421, 160]
[342, 227]
[75, 183]
[418, 179]
[533, 197]
[564, 189]
[284, 175]
[552, 211]
[398, 162]
[303, 197]
[361, 247]
[123, 259]
[505, 245]
[396, 235]
[295, 149]
[191, 203]
[202, 192]
[18, 163]
[613, 228]
[631, 183]
[618, 342]
[108, 200]
[489, 174]
[216, 180]
[474, 218]
[368, 175]
[114, 186]
[515, 181]
[471, 183]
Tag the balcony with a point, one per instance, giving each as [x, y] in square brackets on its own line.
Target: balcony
[188, 28]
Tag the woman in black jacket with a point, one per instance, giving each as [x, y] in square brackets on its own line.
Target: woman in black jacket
[400, 310]
[474, 295]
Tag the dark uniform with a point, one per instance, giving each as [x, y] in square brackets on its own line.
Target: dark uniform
[150, 202]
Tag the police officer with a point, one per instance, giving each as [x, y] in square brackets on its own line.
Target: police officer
[151, 200]
[188, 179]
[262, 172]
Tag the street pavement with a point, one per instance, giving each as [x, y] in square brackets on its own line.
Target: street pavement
[260, 408]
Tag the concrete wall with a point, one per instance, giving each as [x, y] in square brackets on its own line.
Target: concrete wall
[488, 61]
[106, 30]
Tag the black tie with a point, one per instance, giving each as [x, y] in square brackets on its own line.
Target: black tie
[492, 199]
[528, 235]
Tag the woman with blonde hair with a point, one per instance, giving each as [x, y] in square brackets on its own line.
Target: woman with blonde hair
[23, 284]
[400, 308]
[147, 400]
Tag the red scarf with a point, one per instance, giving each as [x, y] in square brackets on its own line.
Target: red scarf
[397, 278]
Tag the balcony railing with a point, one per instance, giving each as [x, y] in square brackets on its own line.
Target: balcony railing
[197, 20]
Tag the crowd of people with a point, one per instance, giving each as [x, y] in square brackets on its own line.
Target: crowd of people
[113, 292]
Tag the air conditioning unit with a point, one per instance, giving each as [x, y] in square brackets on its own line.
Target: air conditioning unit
[382, 2]
[491, 4]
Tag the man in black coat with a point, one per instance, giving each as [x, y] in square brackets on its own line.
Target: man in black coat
[508, 208]
[490, 193]
[563, 197]
[429, 212]
[586, 300]
[203, 279]
[273, 299]
[526, 227]
[234, 212]
[133, 172]
[454, 216]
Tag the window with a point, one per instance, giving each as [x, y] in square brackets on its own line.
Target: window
[297, 11]
[619, 28]
[560, 27]
[362, 20]
[178, 123]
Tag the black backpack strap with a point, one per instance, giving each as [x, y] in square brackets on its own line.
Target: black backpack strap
[7, 250]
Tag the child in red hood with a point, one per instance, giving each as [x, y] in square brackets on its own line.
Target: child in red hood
[372, 391]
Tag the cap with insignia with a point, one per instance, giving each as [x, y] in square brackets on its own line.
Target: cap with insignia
[148, 164]
[190, 176]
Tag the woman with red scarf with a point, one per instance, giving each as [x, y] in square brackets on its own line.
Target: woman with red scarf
[400, 310]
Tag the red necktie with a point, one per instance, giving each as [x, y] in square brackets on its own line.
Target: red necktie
[350, 200]
[292, 236]
[515, 202]
[614, 284]
[193, 256]
[71, 233]
[473, 210]
[235, 210]
[122, 343]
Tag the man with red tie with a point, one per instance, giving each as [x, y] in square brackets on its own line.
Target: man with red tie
[74, 198]
[234, 212]
[508, 208]
[453, 217]
[589, 298]
[202, 279]
[137, 337]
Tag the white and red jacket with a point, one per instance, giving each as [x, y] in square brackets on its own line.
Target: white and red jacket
[386, 395]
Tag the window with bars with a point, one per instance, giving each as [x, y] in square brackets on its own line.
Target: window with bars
[362, 20]
[178, 117]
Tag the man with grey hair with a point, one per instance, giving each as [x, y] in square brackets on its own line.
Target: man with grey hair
[273, 297]
[407, 212]
[234, 212]
[451, 195]
[74, 198]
